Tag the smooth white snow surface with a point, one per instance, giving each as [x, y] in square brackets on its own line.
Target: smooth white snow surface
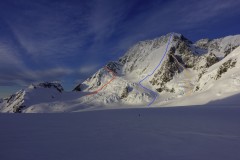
[181, 133]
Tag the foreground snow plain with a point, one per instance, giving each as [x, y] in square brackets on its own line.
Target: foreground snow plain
[172, 133]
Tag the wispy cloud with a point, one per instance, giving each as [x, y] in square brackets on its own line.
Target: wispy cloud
[13, 71]
[88, 69]
[42, 37]
[45, 30]
[175, 16]
[24, 77]
[105, 16]
[204, 10]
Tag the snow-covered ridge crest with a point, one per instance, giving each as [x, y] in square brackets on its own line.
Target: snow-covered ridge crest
[206, 68]
[33, 94]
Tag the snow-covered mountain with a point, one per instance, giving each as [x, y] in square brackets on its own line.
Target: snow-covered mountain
[34, 94]
[166, 71]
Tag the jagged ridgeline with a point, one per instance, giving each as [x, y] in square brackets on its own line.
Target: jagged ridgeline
[188, 69]
[185, 62]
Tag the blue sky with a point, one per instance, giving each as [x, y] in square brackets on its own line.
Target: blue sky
[68, 40]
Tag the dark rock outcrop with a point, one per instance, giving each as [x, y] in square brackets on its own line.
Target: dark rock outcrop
[229, 50]
[78, 88]
[57, 86]
[211, 59]
[125, 92]
[224, 67]
[114, 66]
[165, 74]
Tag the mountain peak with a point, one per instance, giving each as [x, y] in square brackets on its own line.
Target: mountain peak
[164, 70]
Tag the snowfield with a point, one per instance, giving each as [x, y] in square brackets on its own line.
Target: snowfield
[182, 74]
[175, 133]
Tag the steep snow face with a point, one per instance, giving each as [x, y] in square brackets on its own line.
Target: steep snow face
[139, 61]
[179, 74]
[144, 56]
[117, 82]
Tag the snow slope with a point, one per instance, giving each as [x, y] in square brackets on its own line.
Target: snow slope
[182, 133]
[211, 87]
[34, 94]
[190, 74]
